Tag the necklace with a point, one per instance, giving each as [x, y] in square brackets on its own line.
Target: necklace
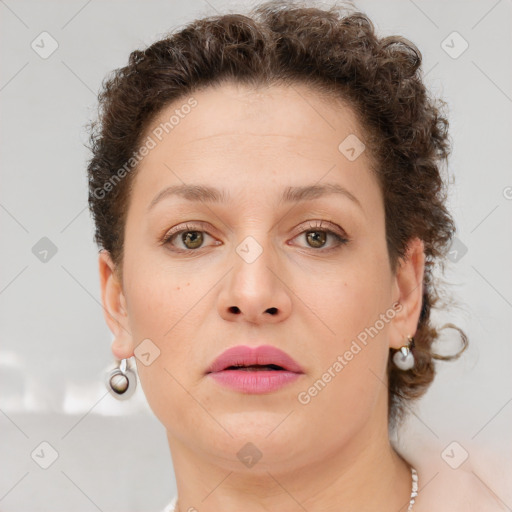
[414, 490]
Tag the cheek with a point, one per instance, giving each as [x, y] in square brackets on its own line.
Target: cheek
[341, 303]
[163, 306]
[347, 322]
[157, 298]
[351, 355]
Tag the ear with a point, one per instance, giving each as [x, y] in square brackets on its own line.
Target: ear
[114, 307]
[409, 292]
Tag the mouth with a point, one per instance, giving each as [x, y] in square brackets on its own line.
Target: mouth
[249, 359]
[264, 369]
[256, 368]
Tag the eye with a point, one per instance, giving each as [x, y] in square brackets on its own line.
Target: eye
[316, 236]
[192, 237]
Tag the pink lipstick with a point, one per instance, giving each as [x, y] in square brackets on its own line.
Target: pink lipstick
[263, 369]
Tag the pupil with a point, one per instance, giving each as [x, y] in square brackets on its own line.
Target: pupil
[316, 241]
[195, 239]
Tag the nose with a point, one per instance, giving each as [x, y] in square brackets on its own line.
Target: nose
[255, 291]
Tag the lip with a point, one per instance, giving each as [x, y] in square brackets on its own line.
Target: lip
[255, 381]
[242, 355]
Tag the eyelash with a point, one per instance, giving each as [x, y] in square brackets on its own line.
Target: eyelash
[339, 238]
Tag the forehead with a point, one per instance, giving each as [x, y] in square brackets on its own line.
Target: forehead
[235, 110]
[241, 136]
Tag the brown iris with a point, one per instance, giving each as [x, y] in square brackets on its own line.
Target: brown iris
[318, 237]
[195, 238]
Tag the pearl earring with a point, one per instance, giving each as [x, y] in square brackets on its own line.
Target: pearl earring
[121, 381]
[404, 358]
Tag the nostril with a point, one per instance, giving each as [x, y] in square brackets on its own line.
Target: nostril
[272, 311]
[234, 309]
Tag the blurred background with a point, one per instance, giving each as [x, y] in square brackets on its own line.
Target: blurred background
[65, 443]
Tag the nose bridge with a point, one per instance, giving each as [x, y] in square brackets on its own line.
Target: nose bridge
[254, 236]
[253, 261]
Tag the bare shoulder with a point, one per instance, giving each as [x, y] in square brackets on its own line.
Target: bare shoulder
[447, 490]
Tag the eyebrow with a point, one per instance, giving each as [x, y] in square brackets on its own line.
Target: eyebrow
[208, 194]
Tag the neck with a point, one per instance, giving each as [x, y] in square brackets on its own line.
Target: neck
[364, 474]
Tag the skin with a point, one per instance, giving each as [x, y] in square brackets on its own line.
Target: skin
[335, 449]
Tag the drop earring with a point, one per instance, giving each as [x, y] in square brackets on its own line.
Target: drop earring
[121, 381]
[404, 358]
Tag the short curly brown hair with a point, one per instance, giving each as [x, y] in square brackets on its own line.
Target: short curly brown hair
[338, 54]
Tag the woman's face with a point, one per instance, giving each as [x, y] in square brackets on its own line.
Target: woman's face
[256, 269]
